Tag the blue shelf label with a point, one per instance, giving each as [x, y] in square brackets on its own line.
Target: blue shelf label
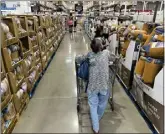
[8, 8]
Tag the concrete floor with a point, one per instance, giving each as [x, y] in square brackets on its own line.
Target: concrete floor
[53, 107]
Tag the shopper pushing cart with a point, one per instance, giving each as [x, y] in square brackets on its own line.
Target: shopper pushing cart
[96, 66]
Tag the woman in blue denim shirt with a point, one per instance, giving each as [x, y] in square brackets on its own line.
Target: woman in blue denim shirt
[98, 86]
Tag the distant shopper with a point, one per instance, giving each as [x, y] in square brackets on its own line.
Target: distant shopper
[98, 32]
[102, 26]
[98, 86]
[105, 31]
[75, 24]
[70, 24]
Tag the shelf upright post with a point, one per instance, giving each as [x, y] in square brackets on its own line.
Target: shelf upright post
[156, 9]
[144, 6]
[161, 6]
[125, 10]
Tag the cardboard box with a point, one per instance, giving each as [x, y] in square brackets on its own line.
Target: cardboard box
[155, 112]
[119, 68]
[153, 109]
[138, 94]
[126, 76]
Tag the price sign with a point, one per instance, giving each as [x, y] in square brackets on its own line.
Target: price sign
[79, 8]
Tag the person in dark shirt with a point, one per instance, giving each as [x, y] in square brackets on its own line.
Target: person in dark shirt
[75, 24]
[98, 32]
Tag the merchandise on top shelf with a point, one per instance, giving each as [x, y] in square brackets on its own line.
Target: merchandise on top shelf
[156, 35]
[37, 23]
[31, 25]
[9, 32]
[129, 29]
[126, 35]
[120, 37]
[149, 26]
[21, 26]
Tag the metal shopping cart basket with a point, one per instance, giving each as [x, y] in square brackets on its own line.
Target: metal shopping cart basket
[81, 86]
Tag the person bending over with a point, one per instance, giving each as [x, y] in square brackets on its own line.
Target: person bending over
[98, 85]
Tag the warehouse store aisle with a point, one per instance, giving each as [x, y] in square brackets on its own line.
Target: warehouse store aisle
[53, 107]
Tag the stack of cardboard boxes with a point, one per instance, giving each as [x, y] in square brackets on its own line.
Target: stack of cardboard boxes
[148, 81]
[141, 68]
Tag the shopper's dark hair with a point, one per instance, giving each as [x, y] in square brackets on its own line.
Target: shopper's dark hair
[96, 45]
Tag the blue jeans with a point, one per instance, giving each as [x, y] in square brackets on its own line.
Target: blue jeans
[97, 101]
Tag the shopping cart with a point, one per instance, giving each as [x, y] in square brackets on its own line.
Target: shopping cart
[81, 86]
